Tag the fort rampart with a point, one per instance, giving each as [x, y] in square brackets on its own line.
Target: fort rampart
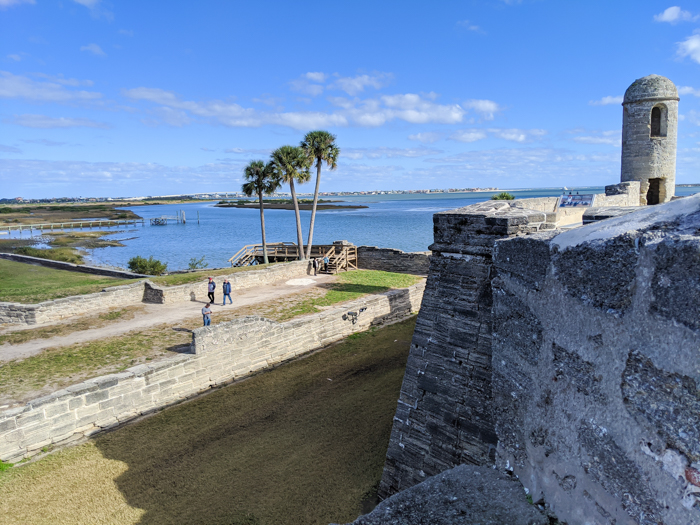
[391, 260]
[219, 354]
[570, 359]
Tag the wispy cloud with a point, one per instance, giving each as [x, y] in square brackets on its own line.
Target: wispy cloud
[94, 49]
[207, 149]
[388, 153]
[427, 137]
[606, 101]
[60, 79]
[15, 57]
[690, 47]
[316, 77]
[357, 84]
[486, 108]
[45, 122]
[675, 14]
[246, 151]
[687, 90]
[611, 137]
[409, 107]
[126, 32]
[9, 149]
[466, 24]
[44, 142]
[518, 135]
[469, 135]
[17, 86]
[9, 3]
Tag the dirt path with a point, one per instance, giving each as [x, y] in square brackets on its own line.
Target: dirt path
[155, 314]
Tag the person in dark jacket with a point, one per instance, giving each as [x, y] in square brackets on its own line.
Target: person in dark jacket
[227, 292]
[211, 286]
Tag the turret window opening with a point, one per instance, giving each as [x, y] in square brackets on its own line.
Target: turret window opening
[659, 121]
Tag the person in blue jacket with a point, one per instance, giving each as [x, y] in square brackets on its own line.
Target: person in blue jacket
[211, 286]
[227, 291]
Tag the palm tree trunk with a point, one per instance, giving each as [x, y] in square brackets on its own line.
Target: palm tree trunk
[262, 226]
[300, 239]
[313, 209]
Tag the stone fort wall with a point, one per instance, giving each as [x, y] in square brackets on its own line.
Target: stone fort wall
[220, 353]
[570, 359]
[391, 260]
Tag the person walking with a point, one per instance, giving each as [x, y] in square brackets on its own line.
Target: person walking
[211, 286]
[325, 263]
[227, 291]
[206, 314]
[315, 265]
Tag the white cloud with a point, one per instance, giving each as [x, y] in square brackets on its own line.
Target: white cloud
[518, 135]
[694, 117]
[389, 153]
[8, 3]
[675, 14]
[690, 47]
[303, 85]
[687, 90]
[487, 108]
[44, 142]
[408, 107]
[15, 57]
[469, 26]
[9, 149]
[468, 135]
[606, 101]
[60, 79]
[427, 137]
[316, 77]
[90, 4]
[244, 151]
[16, 86]
[355, 85]
[44, 122]
[612, 138]
[94, 49]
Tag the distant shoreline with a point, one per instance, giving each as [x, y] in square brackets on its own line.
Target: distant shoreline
[273, 206]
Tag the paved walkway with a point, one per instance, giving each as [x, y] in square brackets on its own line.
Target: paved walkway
[155, 314]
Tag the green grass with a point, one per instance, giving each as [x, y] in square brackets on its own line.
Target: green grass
[302, 444]
[26, 283]
[66, 254]
[59, 367]
[350, 286]
[5, 466]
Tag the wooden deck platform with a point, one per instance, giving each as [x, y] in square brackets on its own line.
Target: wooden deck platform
[341, 257]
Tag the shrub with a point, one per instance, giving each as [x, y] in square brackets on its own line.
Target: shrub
[148, 266]
[503, 196]
[197, 264]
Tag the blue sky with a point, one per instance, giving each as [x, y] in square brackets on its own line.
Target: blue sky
[129, 98]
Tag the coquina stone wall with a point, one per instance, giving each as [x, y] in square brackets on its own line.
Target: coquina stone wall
[143, 291]
[59, 265]
[112, 297]
[239, 281]
[570, 359]
[391, 260]
[596, 366]
[220, 353]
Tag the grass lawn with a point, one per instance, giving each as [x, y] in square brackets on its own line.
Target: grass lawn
[26, 283]
[201, 275]
[301, 444]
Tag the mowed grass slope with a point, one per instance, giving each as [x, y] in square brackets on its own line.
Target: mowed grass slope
[301, 444]
[26, 283]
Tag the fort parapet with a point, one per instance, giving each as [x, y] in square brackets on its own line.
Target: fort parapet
[570, 359]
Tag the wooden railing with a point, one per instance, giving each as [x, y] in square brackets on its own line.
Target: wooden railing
[340, 257]
[70, 224]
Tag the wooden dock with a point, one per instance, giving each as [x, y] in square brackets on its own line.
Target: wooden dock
[341, 257]
[69, 225]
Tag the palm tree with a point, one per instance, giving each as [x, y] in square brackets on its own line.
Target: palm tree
[290, 164]
[319, 146]
[261, 181]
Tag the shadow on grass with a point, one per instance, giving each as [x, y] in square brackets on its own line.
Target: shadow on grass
[354, 288]
[301, 444]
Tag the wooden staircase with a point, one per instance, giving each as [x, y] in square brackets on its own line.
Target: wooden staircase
[341, 257]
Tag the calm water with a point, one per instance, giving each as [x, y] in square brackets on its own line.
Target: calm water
[391, 221]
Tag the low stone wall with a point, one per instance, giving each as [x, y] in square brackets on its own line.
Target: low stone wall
[239, 281]
[112, 297]
[390, 260]
[221, 353]
[59, 265]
